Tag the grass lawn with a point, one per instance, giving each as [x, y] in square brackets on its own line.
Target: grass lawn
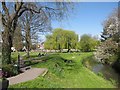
[65, 74]
[14, 55]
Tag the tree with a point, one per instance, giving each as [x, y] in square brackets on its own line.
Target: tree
[49, 43]
[17, 39]
[11, 15]
[71, 40]
[32, 24]
[61, 39]
[110, 27]
[108, 51]
[88, 43]
[9, 21]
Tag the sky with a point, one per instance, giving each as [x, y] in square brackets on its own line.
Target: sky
[87, 17]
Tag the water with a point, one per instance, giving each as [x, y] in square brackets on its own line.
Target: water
[107, 72]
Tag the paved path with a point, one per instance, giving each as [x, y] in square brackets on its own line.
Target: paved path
[26, 76]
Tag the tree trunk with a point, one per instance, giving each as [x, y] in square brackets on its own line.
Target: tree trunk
[28, 55]
[6, 46]
[59, 47]
[68, 47]
[68, 50]
[28, 39]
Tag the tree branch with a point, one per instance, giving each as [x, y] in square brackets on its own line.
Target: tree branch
[17, 8]
[5, 9]
[3, 20]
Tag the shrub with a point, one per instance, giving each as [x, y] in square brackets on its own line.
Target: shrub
[100, 74]
[9, 70]
[27, 63]
[113, 81]
[88, 43]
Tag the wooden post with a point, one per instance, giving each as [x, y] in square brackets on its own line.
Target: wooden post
[18, 62]
[5, 84]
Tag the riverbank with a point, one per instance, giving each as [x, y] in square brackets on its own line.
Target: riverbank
[103, 70]
[65, 70]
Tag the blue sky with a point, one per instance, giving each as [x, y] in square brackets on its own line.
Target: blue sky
[87, 17]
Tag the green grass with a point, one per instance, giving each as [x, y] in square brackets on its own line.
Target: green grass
[66, 75]
[14, 55]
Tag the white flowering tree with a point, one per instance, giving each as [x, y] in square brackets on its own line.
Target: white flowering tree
[108, 51]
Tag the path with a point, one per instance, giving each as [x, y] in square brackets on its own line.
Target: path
[26, 76]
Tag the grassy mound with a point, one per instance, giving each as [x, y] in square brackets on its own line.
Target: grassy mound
[65, 70]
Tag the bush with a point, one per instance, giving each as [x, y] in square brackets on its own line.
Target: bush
[113, 81]
[27, 63]
[88, 43]
[113, 58]
[100, 74]
[9, 70]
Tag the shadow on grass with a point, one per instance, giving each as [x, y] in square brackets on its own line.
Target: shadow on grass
[58, 65]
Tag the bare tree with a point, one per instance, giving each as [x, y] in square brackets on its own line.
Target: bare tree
[9, 21]
[32, 24]
[17, 39]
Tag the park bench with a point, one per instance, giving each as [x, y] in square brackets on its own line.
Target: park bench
[41, 54]
[25, 68]
[21, 64]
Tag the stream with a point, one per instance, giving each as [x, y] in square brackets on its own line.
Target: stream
[105, 71]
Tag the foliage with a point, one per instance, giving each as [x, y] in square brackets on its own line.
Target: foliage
[61, 39]
[14, 55]
[110, 26]
[100, 74]
[88, 43]
[63, 74]
[113, 81]
[9, 70]
[108, 51]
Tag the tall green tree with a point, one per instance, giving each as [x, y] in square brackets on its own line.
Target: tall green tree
[49, 43]
[88, 43]
[61, 39]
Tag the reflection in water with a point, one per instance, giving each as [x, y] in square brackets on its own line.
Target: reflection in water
[107, 71]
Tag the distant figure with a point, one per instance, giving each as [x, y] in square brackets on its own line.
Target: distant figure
[39, 55]
[13, 49]
[42, 54]
[24, 49]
